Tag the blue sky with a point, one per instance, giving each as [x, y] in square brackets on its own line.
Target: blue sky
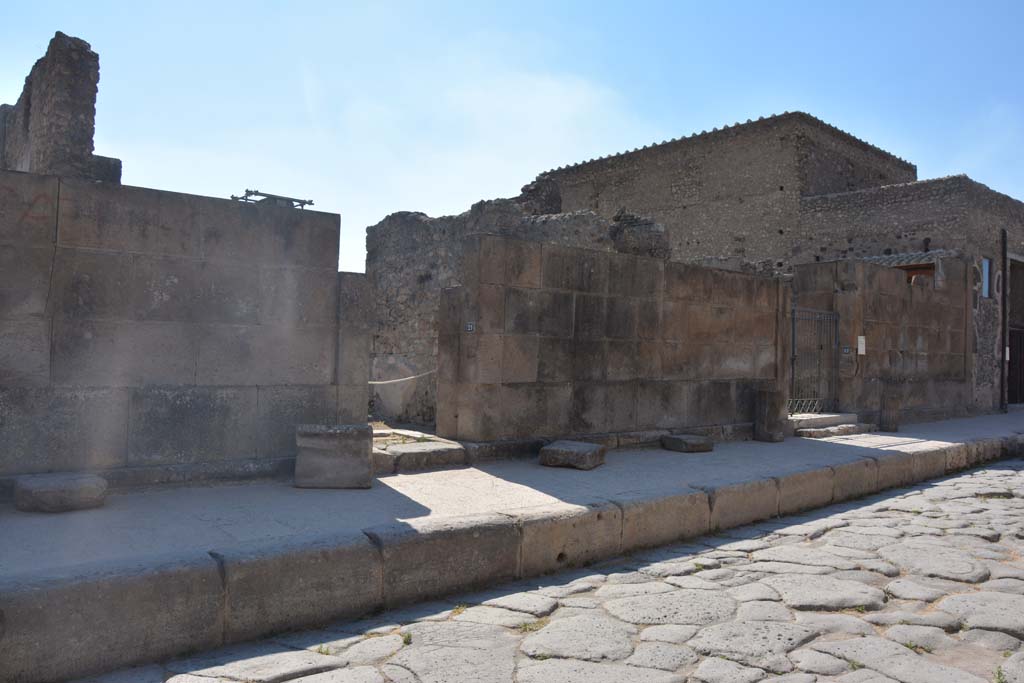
[371, 108]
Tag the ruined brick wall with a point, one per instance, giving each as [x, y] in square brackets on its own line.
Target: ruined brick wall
[917, 337]
[727, 197]
[50, 128]
[410, 258]
[161, 336]
[548, 340]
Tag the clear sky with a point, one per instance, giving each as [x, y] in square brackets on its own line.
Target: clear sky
[372, 108]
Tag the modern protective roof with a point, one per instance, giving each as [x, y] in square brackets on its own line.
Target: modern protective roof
[916, 258]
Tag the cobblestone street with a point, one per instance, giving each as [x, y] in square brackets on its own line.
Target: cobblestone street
[919, 585]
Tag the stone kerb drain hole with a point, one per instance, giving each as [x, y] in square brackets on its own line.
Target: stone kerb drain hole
[560, 558]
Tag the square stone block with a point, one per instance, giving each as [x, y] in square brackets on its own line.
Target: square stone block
[25, 353]
[24, 280]
[563, 535]
[433, 556]
[334, 456]
[170, 425]
[649, 521]
[280, 584]
[577, 454]
[522, 263]
[806, 490]
[734, 505]
[854, 479]
[28, 213]
[519, 358]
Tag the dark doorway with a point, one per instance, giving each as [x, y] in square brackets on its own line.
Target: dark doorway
[1015, 375]
[815, 361]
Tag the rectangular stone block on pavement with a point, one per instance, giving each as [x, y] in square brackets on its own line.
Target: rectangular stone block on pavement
[577, 454]
[334, 456]
[687, 443]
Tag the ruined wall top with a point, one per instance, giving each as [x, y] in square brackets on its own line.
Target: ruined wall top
[50, 128]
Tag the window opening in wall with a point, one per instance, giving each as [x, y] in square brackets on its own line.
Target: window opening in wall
[919, 269]
[986, 277]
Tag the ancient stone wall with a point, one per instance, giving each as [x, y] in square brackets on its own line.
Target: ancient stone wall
[759, 197]
[917, 337]
[548, 340]
[727, 197]
[162, 336]
[50, 128]
[410, 258]
[946, 213]
[831, 161]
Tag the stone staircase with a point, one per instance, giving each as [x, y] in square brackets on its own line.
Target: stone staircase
[824, 425]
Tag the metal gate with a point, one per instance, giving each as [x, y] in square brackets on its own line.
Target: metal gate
[815, 361]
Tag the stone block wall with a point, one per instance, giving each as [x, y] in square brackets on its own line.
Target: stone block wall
[917, 336]
[548, 340]
[410, 259]
[50, 128]
[946, 213]
[166, 336]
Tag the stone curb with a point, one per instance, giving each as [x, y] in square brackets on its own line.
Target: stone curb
[270, 588]
[428, 558]
[90, 619]
[93, 618]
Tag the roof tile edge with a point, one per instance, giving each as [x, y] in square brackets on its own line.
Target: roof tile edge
[762, 120]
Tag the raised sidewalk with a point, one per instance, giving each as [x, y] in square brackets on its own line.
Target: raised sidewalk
[161, 572]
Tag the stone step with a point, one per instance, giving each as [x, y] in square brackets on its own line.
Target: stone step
[837, 430]
[819, 420]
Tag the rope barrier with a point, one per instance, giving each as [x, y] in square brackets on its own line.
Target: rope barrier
[405, 379]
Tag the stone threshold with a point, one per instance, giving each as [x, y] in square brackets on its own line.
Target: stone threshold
[80, 620]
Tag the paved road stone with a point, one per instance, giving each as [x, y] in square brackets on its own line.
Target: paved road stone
[825, 592]
[591, 637]
[753, 642]
[573, 671]
[679, 607]
[917, 585]
[654, 655]
[931, 559]
[992, 611]
[716, 670]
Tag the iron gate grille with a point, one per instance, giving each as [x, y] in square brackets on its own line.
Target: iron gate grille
[815, 361]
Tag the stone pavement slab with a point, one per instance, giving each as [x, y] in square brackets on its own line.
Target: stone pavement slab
[434, 534]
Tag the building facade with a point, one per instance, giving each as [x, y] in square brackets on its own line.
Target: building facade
[764, 196]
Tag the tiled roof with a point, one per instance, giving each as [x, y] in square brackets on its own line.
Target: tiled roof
[760, 121]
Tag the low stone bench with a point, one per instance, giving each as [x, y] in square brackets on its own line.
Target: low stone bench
[60, 492]
[334, 456]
